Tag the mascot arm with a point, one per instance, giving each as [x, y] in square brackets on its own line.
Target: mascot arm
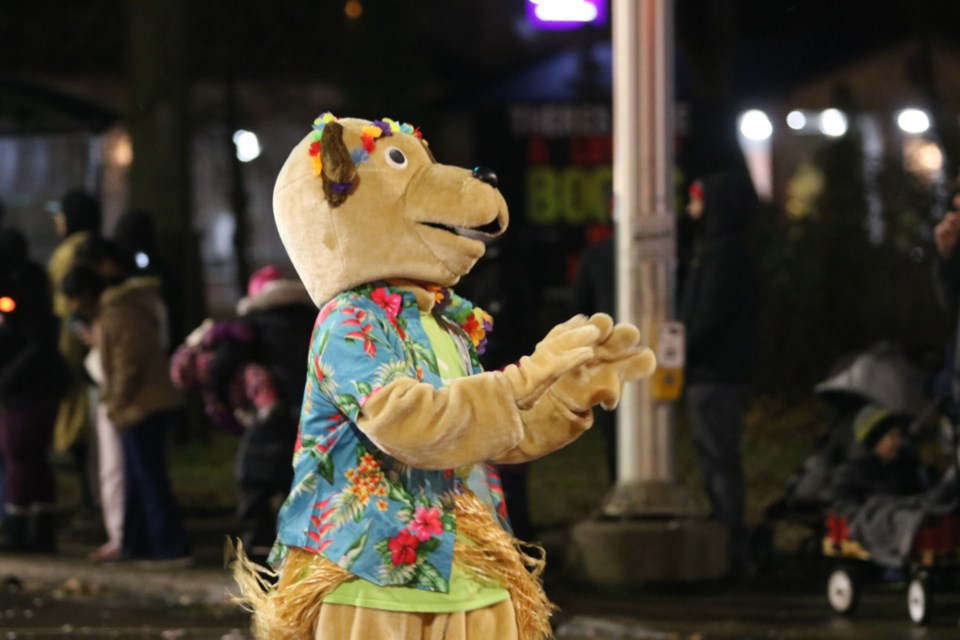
[565, 410]
[473, 419]
[477, 417]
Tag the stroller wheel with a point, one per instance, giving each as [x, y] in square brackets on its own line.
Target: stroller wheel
[920, 599]
[843, 590]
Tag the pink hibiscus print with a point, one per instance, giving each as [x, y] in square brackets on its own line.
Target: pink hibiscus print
[389, 302]
[426, 523]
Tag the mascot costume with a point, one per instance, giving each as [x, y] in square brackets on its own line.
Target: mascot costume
[395, 527]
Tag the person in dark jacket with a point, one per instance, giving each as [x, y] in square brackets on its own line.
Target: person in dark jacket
[946, 273]
[33, 377]
[252, 371]
[719, 306]
[593, 291]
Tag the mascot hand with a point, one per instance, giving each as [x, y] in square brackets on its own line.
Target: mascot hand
[564, 411]
[566, 347]
[619, 358]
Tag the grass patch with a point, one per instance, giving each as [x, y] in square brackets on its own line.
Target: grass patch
[567, 486]
[202, 472]
[564, 487]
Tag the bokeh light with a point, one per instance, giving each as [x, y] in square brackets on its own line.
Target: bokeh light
[913, 121]
[755, 125]
[796, 120]
[833, 123]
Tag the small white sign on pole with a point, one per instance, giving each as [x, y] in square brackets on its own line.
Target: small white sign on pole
[654, 238]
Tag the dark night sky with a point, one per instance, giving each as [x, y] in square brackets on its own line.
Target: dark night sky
[770, 42]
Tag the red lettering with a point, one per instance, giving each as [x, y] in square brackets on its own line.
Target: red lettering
[537, 152]
[591, 151]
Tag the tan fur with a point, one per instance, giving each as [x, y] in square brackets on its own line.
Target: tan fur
[380, 223]
[377, 231]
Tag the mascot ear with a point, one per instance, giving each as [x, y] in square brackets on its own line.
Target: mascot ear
[339, 171]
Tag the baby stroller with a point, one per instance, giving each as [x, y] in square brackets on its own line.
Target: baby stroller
[912, 538]
[882, 375]
[932, 564]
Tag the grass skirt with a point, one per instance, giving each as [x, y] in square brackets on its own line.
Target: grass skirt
[291, 607]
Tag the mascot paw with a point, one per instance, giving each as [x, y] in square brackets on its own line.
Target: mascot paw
[619, 358]
[567, 347]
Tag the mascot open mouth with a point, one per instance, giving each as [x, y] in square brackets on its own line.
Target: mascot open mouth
[492, 228]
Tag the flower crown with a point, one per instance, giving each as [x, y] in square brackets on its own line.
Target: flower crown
[369, 134]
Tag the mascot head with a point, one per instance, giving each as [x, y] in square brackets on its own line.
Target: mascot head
[359, 201]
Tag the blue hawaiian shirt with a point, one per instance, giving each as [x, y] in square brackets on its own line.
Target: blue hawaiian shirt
[376, 517]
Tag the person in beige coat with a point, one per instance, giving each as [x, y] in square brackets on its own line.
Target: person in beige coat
[140, 400]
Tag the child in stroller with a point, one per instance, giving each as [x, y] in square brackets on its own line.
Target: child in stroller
[881, 375]
[891, 517]
[878, 395]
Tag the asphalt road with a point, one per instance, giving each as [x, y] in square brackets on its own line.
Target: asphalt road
[65, 596]
[762, 609]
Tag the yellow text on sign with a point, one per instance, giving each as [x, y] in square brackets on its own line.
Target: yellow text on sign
[571, 195]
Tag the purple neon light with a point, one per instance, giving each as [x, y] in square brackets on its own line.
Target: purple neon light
[566, 14]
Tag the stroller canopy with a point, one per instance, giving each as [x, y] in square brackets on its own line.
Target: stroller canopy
[881, 375]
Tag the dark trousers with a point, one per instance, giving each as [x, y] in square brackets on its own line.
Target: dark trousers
[257, 518]
[264, 474]
[152, 527]
[26, 434]
[716, 421]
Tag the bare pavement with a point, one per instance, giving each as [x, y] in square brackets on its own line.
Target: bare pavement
[66, 596]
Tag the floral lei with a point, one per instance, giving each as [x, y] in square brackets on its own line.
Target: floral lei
[476, 322]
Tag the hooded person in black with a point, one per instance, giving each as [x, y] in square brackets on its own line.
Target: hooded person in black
[33, 377]
[719, 300]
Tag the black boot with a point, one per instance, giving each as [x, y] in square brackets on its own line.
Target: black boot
[14, 538]
[42, 532]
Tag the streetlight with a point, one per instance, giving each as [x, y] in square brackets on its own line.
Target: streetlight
[796, 120]
[833, 123]
[913, 120]
[248, 145]
[755, 125]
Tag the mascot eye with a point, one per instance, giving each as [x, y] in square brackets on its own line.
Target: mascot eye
[395, 158]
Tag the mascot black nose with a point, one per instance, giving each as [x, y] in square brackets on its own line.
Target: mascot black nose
[485, 174]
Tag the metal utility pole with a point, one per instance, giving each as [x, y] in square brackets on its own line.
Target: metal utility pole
[643, 191]
[647, 531]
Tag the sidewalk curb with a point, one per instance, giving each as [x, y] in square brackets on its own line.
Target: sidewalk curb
[184, 587]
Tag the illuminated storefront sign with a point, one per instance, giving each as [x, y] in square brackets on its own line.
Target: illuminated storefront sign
[569, 162]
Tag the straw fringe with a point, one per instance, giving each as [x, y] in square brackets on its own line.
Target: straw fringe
[493, 557]
[290, 608]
